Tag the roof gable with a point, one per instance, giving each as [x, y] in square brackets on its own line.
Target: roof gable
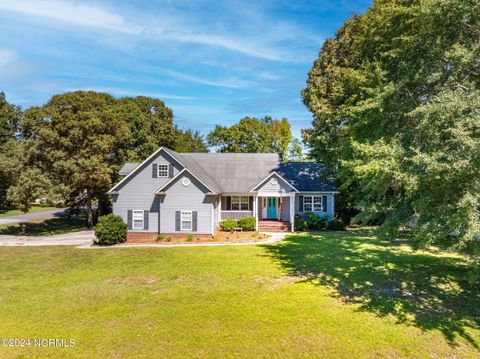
[243, 172]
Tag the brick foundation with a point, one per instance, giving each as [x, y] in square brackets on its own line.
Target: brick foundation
[151, 237]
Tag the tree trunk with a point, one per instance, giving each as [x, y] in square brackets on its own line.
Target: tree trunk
[89, 210]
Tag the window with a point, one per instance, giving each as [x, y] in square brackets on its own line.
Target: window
[162, 170]
[240, 203]
[186, 221]
[312, 204]
[138, 219]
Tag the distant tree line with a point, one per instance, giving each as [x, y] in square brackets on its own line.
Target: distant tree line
[69, 150]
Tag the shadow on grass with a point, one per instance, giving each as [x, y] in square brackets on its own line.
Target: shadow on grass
[55, 225]
[420, 288]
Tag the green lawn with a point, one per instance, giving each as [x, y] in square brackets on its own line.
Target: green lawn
[331, 295]
[13, 212]
[44, 226]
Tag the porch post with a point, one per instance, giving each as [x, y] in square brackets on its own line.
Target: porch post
[255, 211]
[220, 208]
[292, 212]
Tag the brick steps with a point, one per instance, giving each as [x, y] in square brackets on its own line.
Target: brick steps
[273, 226]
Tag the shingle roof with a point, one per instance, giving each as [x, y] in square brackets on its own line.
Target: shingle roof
[127, 168]
[240, 172]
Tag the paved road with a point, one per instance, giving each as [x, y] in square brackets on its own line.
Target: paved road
[84, 238]
[30, 216]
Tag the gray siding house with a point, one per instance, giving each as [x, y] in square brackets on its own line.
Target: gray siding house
[175, 193]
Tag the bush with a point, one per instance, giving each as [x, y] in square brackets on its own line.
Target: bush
[315, 221]
[228, 225]
[300, 224]
[189, 237]
[336, 225]
[247, 223]
[110, 229]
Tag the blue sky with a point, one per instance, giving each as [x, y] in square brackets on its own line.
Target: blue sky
[212, 62]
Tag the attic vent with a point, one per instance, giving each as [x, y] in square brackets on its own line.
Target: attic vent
[186, 181]
[273, 181]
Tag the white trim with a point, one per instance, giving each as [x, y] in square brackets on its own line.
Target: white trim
[212, 210]
[177, 176]
[319, 192]
[292, 212]
[111, 190]
[181, 221]
[240, 202]
[312, 196]
[270, 175]
[133, 218]
[167, 171]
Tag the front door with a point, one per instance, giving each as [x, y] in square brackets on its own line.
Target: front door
[272, 208]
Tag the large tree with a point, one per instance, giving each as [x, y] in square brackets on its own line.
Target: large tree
[76, 137]
[395, 98]
[252, 135]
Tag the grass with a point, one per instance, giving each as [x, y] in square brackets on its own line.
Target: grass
[44, 226]
[329, 295]
[35, 209]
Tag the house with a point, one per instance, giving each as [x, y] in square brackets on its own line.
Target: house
[179, 193]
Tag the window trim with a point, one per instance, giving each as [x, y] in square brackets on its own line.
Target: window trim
[181, 220]
[240, 202]
[133, 218]
[312, 203]
[166, 171]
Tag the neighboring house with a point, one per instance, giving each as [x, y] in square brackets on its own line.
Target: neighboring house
[175, 193]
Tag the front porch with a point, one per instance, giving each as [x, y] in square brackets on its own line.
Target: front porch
[273, 213]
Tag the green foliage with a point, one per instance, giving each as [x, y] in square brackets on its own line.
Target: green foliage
[189, 237]
[336, 224]
[160, 238]
[9, 119]
[300, 224]
[31, 184]
[110, 229]
[247, 223]
[189, 141]
[315, 221]
[266, 135]
[228, 225]
[295, 150]
[396, 103]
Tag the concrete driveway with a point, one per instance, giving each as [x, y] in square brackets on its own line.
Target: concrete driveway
[67, 239]
[31, 216]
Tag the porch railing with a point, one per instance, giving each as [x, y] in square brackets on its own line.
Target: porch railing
[235, 214]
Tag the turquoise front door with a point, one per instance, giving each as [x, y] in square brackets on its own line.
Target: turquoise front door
[272, 208]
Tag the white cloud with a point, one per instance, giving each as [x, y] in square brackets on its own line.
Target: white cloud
[70, 12]
[167, 29]
[227, 83]
[6, 57]
[132, 93]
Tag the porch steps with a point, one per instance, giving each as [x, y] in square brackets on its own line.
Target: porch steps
[273, 226]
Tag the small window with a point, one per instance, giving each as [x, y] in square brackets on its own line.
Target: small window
[138, 219]
[240, 203]
[312, 204]
[186, 221]
[307, 203]
[162, 170]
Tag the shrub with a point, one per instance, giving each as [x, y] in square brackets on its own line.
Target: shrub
[228, 225]
[315, 221]
[300, 224]
[336, 225]
[110, 229]
[247, 223]
[160, 237]
[189, 237]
